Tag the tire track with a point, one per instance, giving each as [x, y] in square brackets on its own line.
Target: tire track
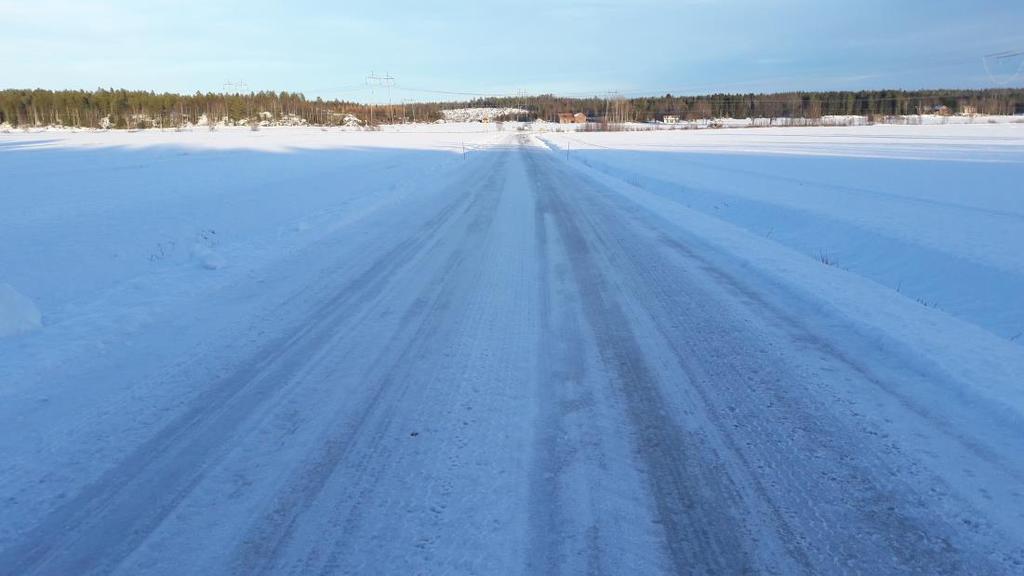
[268, 537]
[694, 502]
[105, 522]
[838, 497]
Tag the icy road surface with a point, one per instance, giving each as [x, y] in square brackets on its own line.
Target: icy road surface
[507, 362]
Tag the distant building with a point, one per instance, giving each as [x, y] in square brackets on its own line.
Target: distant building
[667, 119]
[941, 110]
[570, 118]
[968, 110]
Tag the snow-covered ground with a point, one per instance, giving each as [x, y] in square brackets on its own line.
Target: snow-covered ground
[449, 349]
[936, 214]
[480, 114]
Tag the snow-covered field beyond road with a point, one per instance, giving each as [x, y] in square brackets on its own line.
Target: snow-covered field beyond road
[453, 349]
[936, 213]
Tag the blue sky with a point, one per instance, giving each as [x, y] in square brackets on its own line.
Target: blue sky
[572, 47]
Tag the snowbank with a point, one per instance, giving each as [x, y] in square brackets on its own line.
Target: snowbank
[480, 114]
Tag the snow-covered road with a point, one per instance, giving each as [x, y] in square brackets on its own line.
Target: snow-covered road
[526, 367]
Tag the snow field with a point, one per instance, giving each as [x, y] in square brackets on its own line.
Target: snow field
[449, 349]
[932, 212]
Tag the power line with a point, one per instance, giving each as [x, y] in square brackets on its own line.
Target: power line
[999, 57]
[387, 81]
[1004, 54]
[240, 86]
[453, 93]
[351, 88]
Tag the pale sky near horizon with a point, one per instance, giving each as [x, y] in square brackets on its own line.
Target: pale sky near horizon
[571, 47]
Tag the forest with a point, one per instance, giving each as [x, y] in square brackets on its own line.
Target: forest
[111, 108]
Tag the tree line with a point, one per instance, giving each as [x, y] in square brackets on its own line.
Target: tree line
[811, 105]
[143, 109]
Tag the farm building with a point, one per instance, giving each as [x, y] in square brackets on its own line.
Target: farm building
[570, 118]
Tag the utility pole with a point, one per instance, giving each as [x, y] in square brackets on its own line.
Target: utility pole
[386, 81]
[1006, 61]
[412, 106]
[239, 87]
[611, 114]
